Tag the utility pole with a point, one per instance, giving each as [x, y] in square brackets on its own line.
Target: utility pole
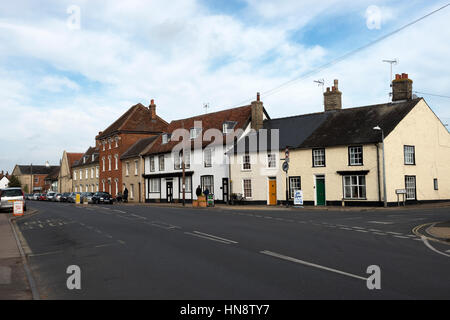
[184, 180]
[31, 177]
[384, 164]
[286, 169]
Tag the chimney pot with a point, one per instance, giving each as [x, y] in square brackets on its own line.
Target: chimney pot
[258, 97]
[152, 108]
[336, 83]
[333, 98]
[398, 77]
[328, 89]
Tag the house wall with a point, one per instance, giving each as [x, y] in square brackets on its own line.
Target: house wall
[4, 183]
[423, 130]
[65, 176]
[133, 180]
[91, 181]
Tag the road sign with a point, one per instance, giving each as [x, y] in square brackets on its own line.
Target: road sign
[18, 208]
[298, 198]
[285, 166]
[286, 153]
[77, 199]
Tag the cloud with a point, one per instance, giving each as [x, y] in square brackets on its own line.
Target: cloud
[69, 84]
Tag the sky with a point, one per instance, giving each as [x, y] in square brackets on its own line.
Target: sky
[68, 69]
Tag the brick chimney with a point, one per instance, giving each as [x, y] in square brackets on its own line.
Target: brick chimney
[401, 87]
[333, 98]
[152, 108]
[257, 113]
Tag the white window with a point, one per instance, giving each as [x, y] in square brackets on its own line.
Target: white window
[136, 167]
[103, 164]
[187, 184]
[195, 132]
[354, 187]
[318, 158]
[92, 173]
[355, 156]
[117, 142]
[96, 187]
[161, 163]
[116, 161]
[86, 172]
[410, 186]
[131, 191]
[96, 171]
[109, 163]
[246, 165]
[127, 168]
[76, 188]
[207, 157]
[247, 186]
[271, 160]
[154, 185]
[81, 188]
[152, 164]
[409, 155]
[103, 186]
[228, 126]
[81, 174]
[103, 145]
[109, 143]
[93, 157]
[116, 182]
[165, 138]
[294, 185]
[74, 175]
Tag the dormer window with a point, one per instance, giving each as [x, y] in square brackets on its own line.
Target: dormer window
[228, 126]
[195, 132]
[84, 159]
[165, 138]
[93, 156]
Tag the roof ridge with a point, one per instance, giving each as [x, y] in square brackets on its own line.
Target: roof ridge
[208, 114]
[136, 107]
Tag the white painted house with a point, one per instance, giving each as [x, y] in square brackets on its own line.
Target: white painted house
[4, 181]
[207, 137]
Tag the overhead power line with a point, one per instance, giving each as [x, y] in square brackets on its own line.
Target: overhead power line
[432, 94]
[343, 57]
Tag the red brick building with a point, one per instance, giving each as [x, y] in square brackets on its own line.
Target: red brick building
[137, 123]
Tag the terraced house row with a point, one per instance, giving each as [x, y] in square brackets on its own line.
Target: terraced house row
[336, 156]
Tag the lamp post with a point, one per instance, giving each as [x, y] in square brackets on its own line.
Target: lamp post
[384, 164]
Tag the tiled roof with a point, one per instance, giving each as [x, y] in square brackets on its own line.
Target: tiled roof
[135, 119]
[26, 169]
[337, 127]
[73, 157]
[136, 149]
[240, 115]
[88, 155]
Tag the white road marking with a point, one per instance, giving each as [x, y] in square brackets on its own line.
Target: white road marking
[401, 237]
[208, 238]
[280, 256]
[448, 251]
[44, 254]
[375, 230]
[105, 245]
[137, 216]
[396, 233]
[424, 239]
[381, 222]
[119, 211]
[380, 234]
[210, 235]
[121, 242]
[360, 230]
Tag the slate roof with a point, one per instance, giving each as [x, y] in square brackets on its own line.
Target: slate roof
[54, 173]
[240, 115]
[139, 146]
[135, 119]
[333, 128]
[26, 169]
[88, 154]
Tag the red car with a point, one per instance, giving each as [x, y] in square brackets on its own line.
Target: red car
[43, 197]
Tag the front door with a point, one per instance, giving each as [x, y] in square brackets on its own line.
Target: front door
[320, 190]
[169, 191]
[225, 189]
[272, 192]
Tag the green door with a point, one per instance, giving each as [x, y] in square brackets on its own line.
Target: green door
[320, 191]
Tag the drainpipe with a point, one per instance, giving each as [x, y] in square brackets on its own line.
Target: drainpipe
[378, 172]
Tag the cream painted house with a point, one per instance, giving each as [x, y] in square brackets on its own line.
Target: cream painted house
[336, 156]
[85, 172]
[65, 173]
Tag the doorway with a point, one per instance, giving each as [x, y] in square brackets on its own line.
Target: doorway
[225, 189]
[272, 191]
[320, 190]
[169, 191]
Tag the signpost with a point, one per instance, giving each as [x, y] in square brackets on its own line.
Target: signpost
[210, 200]
[402, 192]
[18, 208]
[286, 169]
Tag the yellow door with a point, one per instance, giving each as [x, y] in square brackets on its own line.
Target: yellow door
[272, 192]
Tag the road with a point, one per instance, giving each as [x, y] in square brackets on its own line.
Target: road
[149, 252]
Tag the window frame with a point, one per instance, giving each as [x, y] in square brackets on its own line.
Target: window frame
[249, 163]
[357, 185]
[161, 162]
[202, 184]
[205, 163]
[244, 188]
[435, 184]
[415, 187]
[349, 156]
[313, 158]
[291, 194]
[413, 155]
[269, 161]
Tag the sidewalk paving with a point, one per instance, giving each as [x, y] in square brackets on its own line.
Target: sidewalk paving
[13, 281]
[440, 230]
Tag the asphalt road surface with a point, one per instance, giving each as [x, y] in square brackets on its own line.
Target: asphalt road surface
[148, 252]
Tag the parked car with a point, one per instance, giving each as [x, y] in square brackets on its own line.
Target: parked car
[36, 196]
[102, 197]
[72, 198]
[28, 196]
[51, 195]
[9, 195]
[65, 196]
[57, 197]
[86, 196]
[43, 197]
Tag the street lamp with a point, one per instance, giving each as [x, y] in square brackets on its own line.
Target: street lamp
[384, 164]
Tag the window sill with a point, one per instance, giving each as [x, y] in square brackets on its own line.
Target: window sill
[354, 199]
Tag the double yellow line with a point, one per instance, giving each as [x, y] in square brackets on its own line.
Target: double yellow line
[416, 229]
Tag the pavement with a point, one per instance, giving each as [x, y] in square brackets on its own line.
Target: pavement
[13, 280]
[169, 252]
